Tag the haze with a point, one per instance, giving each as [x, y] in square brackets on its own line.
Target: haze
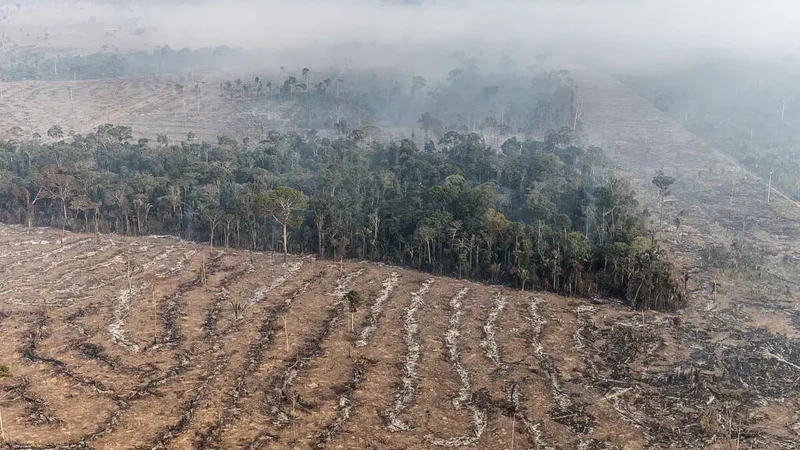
[617, 33]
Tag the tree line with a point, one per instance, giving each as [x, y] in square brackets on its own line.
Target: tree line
[469, 98]
[531, 214]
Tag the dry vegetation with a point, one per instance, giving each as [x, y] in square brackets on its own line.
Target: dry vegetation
[738, 250]
[151, 106]
[116, 342]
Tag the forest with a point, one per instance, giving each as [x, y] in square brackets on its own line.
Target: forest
[544, 214]
[491, 95]
[496, 102]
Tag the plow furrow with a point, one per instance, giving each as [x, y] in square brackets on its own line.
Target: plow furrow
[465, 396]
[409, 380]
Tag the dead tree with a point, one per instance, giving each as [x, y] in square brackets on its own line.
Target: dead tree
[238, 307]
[30, 203]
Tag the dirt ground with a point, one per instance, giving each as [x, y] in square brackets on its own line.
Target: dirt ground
[119, 342]
[741, 325]
[151, 106]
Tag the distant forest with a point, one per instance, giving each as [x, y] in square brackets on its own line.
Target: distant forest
[470, 99]
[497, 102]
[530, 214]
[750, 111]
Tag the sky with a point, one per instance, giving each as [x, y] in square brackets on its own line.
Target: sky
[624, 33]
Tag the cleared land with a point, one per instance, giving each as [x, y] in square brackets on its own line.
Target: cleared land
[116, 342]
[157, 359]
[151, 106]
[744, 306]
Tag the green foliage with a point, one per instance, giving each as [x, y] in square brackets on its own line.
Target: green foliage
[354, 300]
[738, 258]
[284, 204]
[545, 214]
[5, 372]
[663, 182]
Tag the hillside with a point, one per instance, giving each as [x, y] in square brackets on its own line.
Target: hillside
[151, 106]
[152, 342]
[431, 361]
[738, 249]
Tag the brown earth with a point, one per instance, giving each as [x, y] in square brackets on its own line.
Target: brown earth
[79, 340]
[158, 359]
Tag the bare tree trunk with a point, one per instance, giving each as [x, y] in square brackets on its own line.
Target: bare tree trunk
[319, 238]
[2, 430]
[769, 186]
[285, 243]
[428, 248]
[783, 109]
[212, 235]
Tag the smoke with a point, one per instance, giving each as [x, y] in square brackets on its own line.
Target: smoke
[615, 33]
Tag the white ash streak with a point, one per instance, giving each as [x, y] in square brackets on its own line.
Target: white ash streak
[546, 361]
[376, 310]
[120, 308]
[489, 342]
[409, 381]
[479, 416]
[259, 295]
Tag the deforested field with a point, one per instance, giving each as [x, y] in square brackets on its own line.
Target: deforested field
[151, 106]
[119, 342]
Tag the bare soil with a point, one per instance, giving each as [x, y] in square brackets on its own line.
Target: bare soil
[545, 371]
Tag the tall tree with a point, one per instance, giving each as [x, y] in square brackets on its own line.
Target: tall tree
[287, 207]
[663, 182]
[59, 185]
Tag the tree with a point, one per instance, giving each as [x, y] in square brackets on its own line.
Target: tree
[55, 132]
[24, 194]
[427, 234]
[663, 182]
[212, 216]
[162, 139]
[429, 124]
[58, 184]
[320, 208]
[354, 301]
[83, 204]
[417, 85]
[287, 207]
